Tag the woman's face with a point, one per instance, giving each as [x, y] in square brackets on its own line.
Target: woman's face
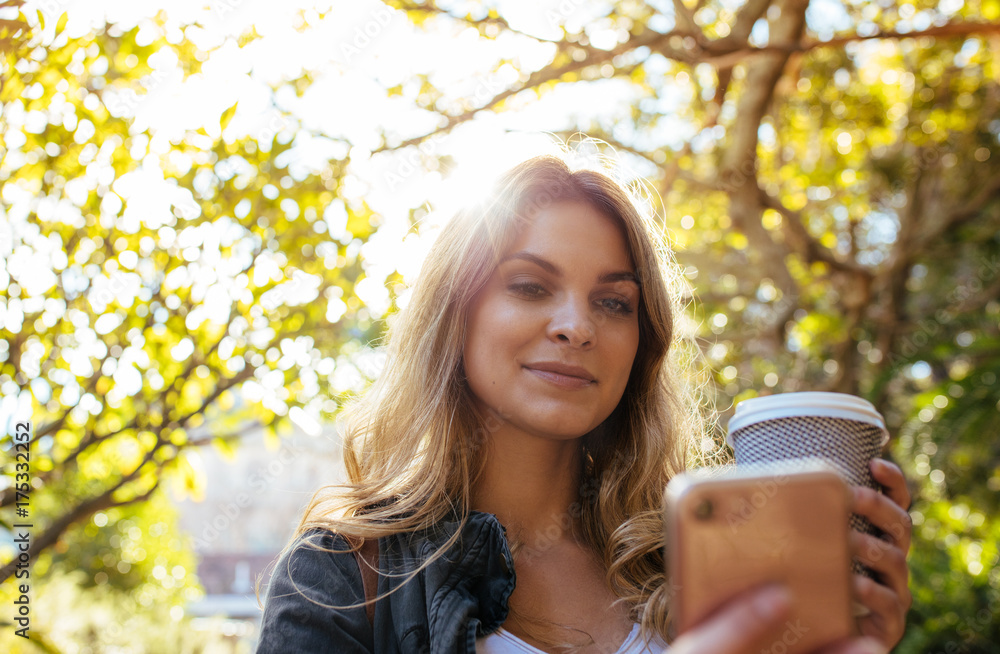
[564, 295]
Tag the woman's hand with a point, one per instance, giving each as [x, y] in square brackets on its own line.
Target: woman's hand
[888, 599]
[754, 622]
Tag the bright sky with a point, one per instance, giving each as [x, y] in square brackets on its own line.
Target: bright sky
[360, 48]
[354, 53]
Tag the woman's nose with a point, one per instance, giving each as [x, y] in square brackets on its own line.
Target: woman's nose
[572, 323]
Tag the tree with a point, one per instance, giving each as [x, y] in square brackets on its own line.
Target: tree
[836, 199]
[830, 175]
[123, 579]
[146, 281]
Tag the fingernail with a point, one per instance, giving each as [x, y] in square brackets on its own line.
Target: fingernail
[869, 646]
[772, 602]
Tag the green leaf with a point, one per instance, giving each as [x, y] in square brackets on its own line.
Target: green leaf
[227, 116]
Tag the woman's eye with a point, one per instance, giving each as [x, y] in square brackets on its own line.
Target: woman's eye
[614, 305]
[527, 289]
[617, 306]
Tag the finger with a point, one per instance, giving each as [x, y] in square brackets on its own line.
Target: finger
[854, 646]
[888, 619]
[891, 477]
[740, 627]
[885, 559]
[884, 514]
[883, 595]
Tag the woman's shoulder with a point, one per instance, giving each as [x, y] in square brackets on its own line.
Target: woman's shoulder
[315, 597]
[320, 561]
[322, 548]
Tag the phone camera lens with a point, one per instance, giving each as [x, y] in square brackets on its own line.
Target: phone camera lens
[703, 510]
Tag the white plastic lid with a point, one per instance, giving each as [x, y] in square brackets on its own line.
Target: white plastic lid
[808, 403]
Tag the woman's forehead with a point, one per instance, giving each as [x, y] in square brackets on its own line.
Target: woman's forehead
[571, 229]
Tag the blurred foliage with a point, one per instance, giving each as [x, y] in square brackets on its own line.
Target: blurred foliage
[829, 173]
[143, 289]
[953, 580]
[69, 616]
[837, 210]
[121, 579]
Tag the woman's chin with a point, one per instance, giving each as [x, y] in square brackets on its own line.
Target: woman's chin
[563, 430]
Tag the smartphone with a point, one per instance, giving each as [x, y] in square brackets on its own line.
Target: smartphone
[728, 532]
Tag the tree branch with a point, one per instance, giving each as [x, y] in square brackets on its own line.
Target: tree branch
[811, 251]
[747, 17]
[492, 19]
[738, 172]
[722, 58]
[684, 21]
[58, 527]
[594, 56]
[969, 210]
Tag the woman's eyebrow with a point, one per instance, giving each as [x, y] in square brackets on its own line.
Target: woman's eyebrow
[548, 266]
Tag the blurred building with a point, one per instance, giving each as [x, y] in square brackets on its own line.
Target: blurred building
[251, 505]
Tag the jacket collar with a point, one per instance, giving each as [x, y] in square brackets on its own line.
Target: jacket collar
[468, 587]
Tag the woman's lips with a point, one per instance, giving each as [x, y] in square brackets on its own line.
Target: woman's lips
[564, 381]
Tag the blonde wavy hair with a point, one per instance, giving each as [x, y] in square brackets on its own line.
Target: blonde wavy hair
[412, 440]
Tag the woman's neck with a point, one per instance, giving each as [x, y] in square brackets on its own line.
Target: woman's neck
[530, 483]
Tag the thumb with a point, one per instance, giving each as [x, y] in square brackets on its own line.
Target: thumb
[740, 626]
[855, 646]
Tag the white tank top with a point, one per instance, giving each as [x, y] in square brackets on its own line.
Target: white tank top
[504, 642]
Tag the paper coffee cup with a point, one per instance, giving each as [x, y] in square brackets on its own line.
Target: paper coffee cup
[844, 430]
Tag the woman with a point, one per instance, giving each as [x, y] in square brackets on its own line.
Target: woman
[527, 419]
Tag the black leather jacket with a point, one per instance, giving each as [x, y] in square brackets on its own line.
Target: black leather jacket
[456, 598]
